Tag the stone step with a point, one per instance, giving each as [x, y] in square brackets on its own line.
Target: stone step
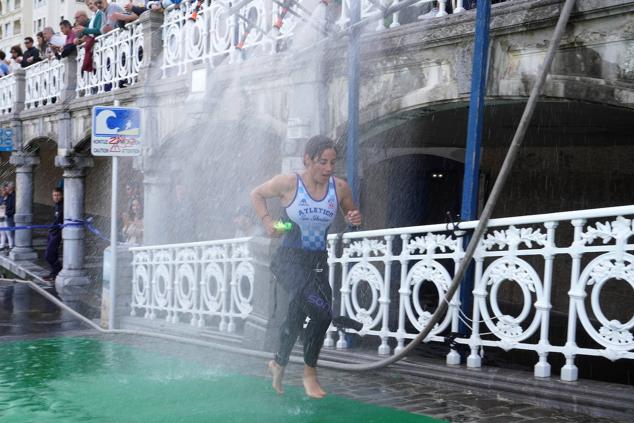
[598, 399]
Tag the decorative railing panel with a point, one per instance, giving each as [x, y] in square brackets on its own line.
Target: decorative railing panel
[7, 94]
[198, 282]
[393, 280]
[44, 83]
[375, 10]
[215, 30]
[594, 245]
[117, 58]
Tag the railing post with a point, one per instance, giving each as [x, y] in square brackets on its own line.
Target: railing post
[69, 81]
[570, 372]
[542, 368]
[404, 293]
[151, 23]
[384, 300]
[20, 91]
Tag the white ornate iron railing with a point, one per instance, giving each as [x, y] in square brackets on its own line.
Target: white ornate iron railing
[218, 29]
[44, 83]
[589, 248]
[117, 58]
[380, 276]
[200, 281]
[375, 9]
[7, 94]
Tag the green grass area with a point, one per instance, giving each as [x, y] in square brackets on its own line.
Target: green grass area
[89, 380]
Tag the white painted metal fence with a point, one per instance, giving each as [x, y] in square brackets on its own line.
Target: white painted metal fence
[522, 251]
[7, 94]
[117, 58]
[382, 274]
[223, 28]
[44, 83]
[198, 282]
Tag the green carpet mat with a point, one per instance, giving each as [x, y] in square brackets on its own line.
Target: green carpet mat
[88, 380]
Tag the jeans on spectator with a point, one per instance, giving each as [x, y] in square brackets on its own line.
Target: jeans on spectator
[10, 222]
[52, 253]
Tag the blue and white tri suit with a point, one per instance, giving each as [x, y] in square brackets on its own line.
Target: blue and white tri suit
[300, 265]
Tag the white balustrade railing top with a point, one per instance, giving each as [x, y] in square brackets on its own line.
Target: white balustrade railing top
[116, 61]
[201, 282]
[7, 94]
[44, 83]
[212, 31]
[215, 30]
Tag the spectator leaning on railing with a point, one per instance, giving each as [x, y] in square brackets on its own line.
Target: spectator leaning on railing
[31, 54]
[54, 42]
[15, 62]
[69, 44]
[4, 66]
[133, 12]
[88, 26]
[110, 10]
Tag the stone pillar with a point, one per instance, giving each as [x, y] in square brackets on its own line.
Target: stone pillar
[24, 164]
[68, 93]
[73, 273]
[151, 24]
[155, 187]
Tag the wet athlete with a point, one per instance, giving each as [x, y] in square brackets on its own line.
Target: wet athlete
[311, 200]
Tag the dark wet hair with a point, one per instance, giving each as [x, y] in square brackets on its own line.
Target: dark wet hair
[317, 145]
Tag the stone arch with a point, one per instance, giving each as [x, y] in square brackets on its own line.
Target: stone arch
[36, 143]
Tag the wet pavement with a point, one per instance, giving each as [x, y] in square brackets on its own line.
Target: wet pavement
[25, 314]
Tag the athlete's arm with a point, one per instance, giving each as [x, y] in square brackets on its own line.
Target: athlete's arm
[276, 187]
[350, 210]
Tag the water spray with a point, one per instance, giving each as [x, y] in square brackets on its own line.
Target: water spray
[342, 321]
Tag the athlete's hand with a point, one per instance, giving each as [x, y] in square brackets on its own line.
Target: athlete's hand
[354, 218]
[269, 225]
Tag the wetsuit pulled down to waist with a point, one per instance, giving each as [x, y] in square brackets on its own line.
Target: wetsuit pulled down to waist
[304, 275]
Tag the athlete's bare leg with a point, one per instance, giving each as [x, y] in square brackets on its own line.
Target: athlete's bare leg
[278, 374]
[311, 384]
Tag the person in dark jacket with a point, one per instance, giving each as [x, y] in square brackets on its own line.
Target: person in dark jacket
[31, 55]
[9, 203]
[55, 235]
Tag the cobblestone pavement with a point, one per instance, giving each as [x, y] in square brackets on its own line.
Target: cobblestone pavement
[414, 395]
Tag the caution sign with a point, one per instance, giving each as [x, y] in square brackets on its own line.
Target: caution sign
[116, 131]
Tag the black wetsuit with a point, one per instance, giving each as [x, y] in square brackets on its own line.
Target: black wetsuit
[300, 266]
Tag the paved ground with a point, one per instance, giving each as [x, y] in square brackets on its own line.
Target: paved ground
[25, 314]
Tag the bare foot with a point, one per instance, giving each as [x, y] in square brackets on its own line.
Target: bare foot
[277, 372]
[311, 384]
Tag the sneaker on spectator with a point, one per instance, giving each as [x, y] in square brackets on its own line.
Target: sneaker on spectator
[429, 15]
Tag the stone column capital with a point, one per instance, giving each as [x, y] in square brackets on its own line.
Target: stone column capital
[74, 166]
[24, 162]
